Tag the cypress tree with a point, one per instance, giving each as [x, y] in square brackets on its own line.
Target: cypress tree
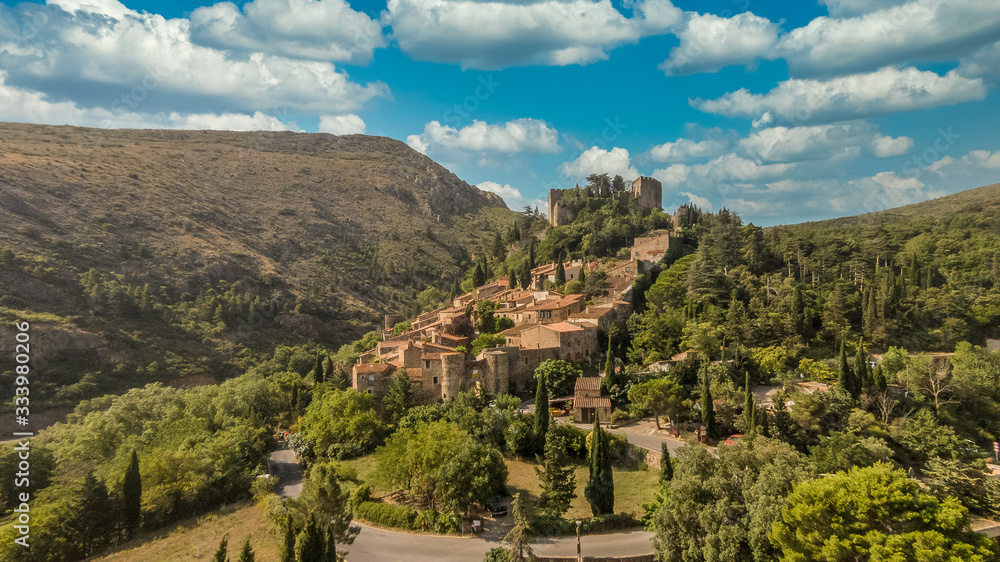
[846, 375]
[246, 554]
[478, 276]
[132, 497]
[456, 289]
[541, 411]
[784, 426]
[666, 466]
[330, 544]
[310, 542]
[707, 406]
[516, 234]
[221, 552]
[93, 516]
[600, 490]
[863, 371]
[531, 254]
[749, 409]
[560, 274]
[512, 282]
[288, 548]
[555, 477]
[878, 379]
[583, 274]
[609, 367]
[317, 371]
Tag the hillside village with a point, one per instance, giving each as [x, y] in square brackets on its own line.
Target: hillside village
[544, 324]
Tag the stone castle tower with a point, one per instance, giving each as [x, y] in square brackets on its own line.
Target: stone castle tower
[648, 192]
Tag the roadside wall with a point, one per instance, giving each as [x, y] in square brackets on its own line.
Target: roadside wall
[636, 558]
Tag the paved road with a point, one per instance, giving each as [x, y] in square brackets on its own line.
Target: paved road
[283, 465]
[389, 546]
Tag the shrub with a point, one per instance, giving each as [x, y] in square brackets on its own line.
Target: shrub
[619, 417]
[497, 554]
[547, 525]
[387, 514]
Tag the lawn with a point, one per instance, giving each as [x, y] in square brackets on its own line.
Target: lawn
[632, 488]
[198, 538]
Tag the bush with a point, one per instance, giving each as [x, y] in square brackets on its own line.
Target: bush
[360, 495]
[619, 417]
[547, 525]
[575, 438]
[497, 554]
[387, 515]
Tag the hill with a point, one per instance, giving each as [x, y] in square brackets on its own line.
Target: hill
[185, 248]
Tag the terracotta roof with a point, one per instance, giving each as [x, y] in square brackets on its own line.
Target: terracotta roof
[517, 330]
[588, 383]
[373, 367]
[592, 402]
[563, 327]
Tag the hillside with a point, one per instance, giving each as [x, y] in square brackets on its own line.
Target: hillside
[237, 240]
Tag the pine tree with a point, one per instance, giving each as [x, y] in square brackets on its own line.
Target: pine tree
[221, 552]
[666, 466]
[784, 426]
[94, 524]
[132, 497]
[707, 405]
[555, 477]
[600, 490]
[878, 379]
[288, 547]
[246, 554]
[541, 411]
[310, 542]
[749, 408]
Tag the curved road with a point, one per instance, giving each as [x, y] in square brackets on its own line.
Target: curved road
[390, 546]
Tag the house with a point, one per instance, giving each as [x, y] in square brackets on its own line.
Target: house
[573, 343]
[588, 402]
[551, 310]
[547, 272]
[651, 248]
[372, 378]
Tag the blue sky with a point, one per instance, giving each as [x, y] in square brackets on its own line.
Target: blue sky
[782, 111]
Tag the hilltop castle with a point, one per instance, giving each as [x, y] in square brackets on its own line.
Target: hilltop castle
[647, 191]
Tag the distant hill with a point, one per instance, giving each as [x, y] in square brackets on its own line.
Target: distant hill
[313, 236]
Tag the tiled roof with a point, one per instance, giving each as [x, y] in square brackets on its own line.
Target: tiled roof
[373, 367]
[563, 327]
[592, 402]
[588, 383]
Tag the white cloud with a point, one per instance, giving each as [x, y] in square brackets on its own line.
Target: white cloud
[848, 8]
[672, 175]
[884, 146]
[327, 30]
[110, 8]
[684, 149]
[511, 195]
[148, 63]
[349, 124]
[984, 62]
[494, 34]
[709, 43]
[596, 160]
[22, 105]
[889, 90]
[520, 135]
[702, 202]
[976, 161]
[896, 34]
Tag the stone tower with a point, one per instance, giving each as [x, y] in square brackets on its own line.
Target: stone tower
[648, 192]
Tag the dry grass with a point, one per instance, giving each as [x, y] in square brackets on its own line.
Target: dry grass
[198, 538]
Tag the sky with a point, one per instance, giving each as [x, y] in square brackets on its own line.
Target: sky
[781, 111]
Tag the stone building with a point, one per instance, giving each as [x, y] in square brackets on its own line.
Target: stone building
[648, 192]
[588, 402]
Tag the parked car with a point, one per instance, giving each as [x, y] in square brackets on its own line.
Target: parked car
[732, 439]
[497, 508]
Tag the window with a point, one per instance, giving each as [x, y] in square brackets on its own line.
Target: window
[435, 380]
[371, 380]
[427, 363]
[369, 391]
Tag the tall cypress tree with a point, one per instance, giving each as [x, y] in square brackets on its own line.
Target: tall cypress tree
[310, 546]
[516, 233]
[512, 282]
[600, 490]
[330, 544]
[246, 554]
[560, 274]
[541, 412]
[707, 405]
[556, 477]
[531, 254]
[132, 497]
[861, 368]
[749, 408]
[478, 276]
[666, 466]
[846, 375]
[222, 551]
[317, 371]
[609, 367]
[288, 547]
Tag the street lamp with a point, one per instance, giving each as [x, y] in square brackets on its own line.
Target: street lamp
[579, 557]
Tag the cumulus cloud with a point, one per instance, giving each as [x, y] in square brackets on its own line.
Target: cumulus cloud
[97, 54]
[521, 135]
[976, 161]
[672, 175]
[494, 34]
[984, 62]
[349, 124]
[826, 142]
[511, 195]
[848, 8]
[18, 104]
[709, 43]
[702, 202]
[327, 30]
[597, 160]
[889, 90]
[685, 149]
[896, 34]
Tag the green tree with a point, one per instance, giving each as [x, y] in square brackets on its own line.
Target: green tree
[246, 553]
[311, 547]
[343, 424]
[325, 499]
[221, 552]
[666, 465]
[660, 396]
[317, 371]
[94, 515]
[132, 497]
[478, 276]
[485, 321]
[512, 280]
[519, 536]
[516, 232]
[707, 404]
[556, 478]
[288, 546]
[542, 414]
[560, 376]
[398, 396]
[862, 369]
[749, 408]
[846, 376]
[600, 490]
[560, 273]
[875, 513]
